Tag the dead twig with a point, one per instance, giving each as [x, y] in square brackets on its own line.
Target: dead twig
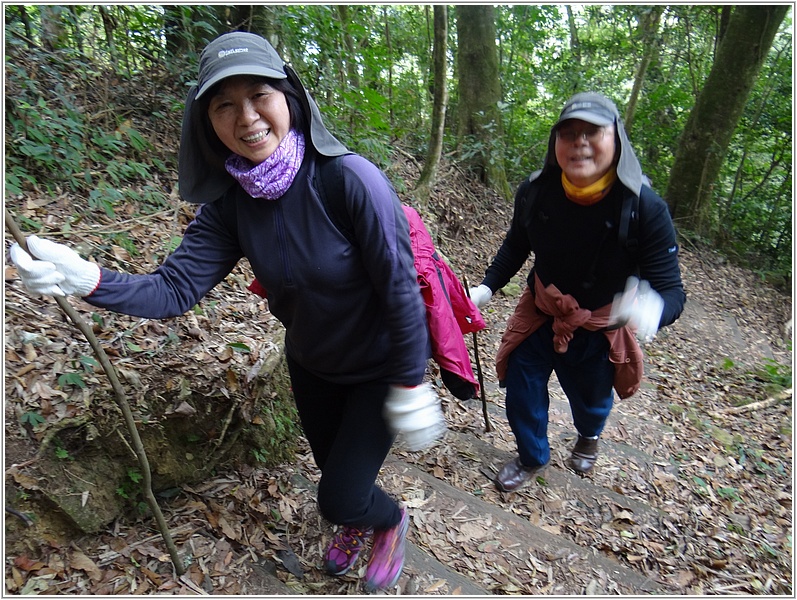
[20, 515]
[736, 410]
[121, 400]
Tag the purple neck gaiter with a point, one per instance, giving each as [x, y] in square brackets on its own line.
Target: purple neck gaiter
[271, 178]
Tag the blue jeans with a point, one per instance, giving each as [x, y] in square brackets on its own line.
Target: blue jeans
[586, 376]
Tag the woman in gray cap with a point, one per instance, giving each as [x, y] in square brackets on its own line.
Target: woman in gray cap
[356, 333]
[605, 267]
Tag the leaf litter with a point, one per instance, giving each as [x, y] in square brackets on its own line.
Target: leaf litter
[718, 489]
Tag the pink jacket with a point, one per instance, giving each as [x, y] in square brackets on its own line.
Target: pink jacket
[449, 311]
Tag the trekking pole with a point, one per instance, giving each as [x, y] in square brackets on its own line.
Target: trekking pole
[487, 427]
[121, 401]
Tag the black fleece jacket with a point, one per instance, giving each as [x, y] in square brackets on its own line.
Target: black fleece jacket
[576, 248]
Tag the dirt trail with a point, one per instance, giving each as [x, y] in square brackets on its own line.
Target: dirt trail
[721, 473]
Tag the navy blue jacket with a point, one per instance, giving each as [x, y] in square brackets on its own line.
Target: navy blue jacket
[352, 312]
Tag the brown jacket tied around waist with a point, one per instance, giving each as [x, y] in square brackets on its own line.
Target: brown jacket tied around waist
[535, 309]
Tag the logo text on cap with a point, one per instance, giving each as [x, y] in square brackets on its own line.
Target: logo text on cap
[223, 53]
[579, 106]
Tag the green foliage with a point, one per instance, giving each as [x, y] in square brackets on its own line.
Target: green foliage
[260, 455]
[88, 363]
[28, 224]
[729, 493]
[133, 347]
[78, 116]
[736, 528]
[239, 347]
[32, 418]
[59, 141]
[771, 375]
[130, 487]
[755, 208]
[174, 242]
[71, 379]
[122, 239]
[778, 375]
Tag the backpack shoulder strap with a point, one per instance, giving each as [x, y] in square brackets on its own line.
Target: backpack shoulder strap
[330, 185]
[532, 191]
[627, 236]
[629, 222]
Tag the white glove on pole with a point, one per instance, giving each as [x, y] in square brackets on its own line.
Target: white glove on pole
[480, 295]
[640, 307]
[414, 414]
[54, 269]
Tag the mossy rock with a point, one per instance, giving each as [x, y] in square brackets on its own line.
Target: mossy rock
[87, 468]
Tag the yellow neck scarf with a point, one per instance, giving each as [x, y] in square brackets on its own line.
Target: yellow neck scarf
[592, 193]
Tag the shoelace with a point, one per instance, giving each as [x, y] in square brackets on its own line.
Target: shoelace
[349, 539]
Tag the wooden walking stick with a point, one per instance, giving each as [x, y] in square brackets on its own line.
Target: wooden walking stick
[121, 401]
[487, 427]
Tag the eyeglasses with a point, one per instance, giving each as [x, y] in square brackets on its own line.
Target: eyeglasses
[592, 134]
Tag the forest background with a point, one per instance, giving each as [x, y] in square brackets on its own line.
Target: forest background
[94, 96]
[706, 94]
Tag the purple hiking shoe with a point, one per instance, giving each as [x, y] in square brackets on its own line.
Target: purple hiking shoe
[344, 549]
[387, 556]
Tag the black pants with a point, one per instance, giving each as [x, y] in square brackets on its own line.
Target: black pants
[350, 440]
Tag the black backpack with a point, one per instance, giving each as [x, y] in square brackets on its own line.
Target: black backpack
[330, 185]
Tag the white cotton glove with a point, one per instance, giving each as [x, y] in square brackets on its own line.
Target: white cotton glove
[640, 307]
[414, 414]
[480, 295]
[54, 269]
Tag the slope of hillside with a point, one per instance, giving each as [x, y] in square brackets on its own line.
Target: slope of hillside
[692, 495]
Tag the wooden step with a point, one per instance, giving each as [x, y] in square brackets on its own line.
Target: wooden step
[501, 550]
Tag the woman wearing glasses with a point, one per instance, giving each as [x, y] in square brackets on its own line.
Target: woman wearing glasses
[605, 270]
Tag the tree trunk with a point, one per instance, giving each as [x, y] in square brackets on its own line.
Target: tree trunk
[350, 78]
[25, 18]
[650, 28]
[440, 86]
[575, 47]
[351, 47]
[109, 25]
[53, 31]
[479, 123]
[389, 45]
[719, 106]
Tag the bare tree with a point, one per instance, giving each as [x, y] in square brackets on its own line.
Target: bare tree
[439, 103]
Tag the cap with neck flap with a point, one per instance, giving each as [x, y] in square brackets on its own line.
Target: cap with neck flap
[201, 173]
[599, 110]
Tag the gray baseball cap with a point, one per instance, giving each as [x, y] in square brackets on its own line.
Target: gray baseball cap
[237, 53]
[590, 107]
[599, 110]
